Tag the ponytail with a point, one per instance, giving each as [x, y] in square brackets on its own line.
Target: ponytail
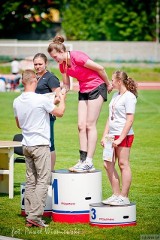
[129, 83]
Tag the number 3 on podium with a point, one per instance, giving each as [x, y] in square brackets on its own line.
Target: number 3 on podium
[93, 216]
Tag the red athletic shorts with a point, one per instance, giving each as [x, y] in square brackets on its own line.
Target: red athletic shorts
[127, 142]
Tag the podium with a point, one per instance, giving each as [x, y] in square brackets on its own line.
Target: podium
[72, 194]
[48, 206]
[76, 198]
[111, 216]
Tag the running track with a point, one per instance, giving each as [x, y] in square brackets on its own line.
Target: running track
[141, 86]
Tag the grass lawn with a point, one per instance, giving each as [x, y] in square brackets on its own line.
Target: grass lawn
[145, 188]
[139, 72]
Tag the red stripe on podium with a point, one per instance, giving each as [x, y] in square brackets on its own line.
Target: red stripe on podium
[113, 225]
[70, 218]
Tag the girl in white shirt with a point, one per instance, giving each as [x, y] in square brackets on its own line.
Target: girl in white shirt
[119, 127]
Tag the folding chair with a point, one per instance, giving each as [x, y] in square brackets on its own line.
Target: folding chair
[18, 150]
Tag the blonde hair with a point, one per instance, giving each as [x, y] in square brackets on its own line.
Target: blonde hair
[129, 83]
[27, 76]
[57, 44]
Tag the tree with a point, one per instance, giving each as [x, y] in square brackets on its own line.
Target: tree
[23, 18]
[112, 20]
[81, 19]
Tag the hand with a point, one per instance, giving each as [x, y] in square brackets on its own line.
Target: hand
[116, 143]
[109, 88]
[62, 94]
[63, 91]
[56, 100]
[102, 142]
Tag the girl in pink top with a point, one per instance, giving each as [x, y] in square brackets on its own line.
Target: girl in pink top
[93, 84]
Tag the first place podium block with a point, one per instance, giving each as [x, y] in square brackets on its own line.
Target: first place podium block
[72, 194]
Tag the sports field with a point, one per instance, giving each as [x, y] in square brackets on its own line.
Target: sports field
[145, 188]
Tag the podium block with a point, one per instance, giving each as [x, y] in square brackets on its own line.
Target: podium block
[72, 194]
[48, 206]
[110, 216]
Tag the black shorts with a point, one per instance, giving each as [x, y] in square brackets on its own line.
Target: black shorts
[94, 94]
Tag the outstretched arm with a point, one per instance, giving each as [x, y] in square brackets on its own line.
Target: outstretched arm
[66, 81]
[59, 110]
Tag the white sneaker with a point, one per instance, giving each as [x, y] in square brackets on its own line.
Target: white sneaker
[120, 201]
[110, 199]
[77, 165]
[85, 167]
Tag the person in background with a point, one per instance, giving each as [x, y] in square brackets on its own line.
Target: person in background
[47, 83]
[15, 66]
[119, 126]
[31, 112]
[2, 84]
[93, 83]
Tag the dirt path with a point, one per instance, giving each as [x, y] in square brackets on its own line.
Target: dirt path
[149, 85]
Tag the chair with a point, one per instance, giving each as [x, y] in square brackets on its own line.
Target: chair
[18, 150]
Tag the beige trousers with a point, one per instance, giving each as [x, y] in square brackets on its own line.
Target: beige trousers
[38, 177]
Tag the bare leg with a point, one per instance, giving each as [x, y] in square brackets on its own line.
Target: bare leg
[88, 113]
[113, 176]
[123, 161]
[93, 111]
[82, 116]
[82, 113]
